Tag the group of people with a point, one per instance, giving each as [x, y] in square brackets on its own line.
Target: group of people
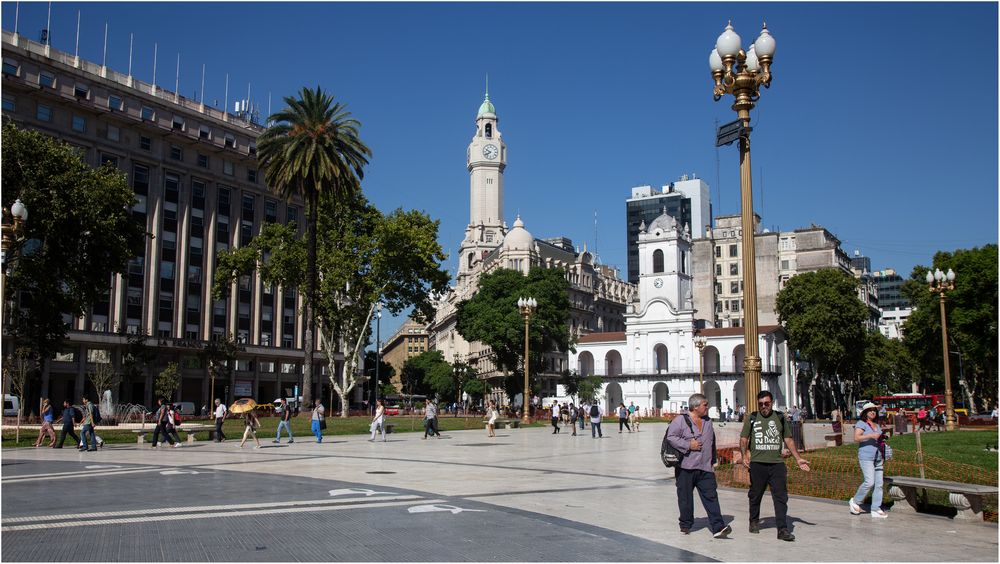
[87, 416]
[572, 415]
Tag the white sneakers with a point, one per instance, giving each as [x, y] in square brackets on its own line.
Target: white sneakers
[879, 514]
[177, 445]
[855, 508]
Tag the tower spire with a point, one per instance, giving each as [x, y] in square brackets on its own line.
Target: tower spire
[487, 86]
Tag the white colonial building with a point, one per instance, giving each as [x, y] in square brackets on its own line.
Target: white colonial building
[654, 363]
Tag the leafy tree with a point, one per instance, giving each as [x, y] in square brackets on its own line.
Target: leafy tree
[385, 373]
[104, 377]
[492, 317]
[824, 320]
[887, 368]
[312, 150]
[220, 356]
[415, 374]
[365, 257]
[79, 232]
[167, 382]
[972, 324]
[589, 388]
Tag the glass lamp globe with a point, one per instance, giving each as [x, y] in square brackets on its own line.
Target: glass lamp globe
[728, 44]
[715, 61]
[765, 44]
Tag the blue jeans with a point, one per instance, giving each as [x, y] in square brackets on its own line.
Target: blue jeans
[316, 431]
[595, 430]
[872, 472]
[704, 482]
[288, 428]
[88, 430]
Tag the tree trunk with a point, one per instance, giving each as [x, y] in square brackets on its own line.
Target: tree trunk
[310, 296]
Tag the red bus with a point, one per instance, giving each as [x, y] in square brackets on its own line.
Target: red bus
[913, 402]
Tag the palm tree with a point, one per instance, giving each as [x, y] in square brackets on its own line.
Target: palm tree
[312, 150]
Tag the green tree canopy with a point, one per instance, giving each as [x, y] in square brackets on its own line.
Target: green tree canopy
[79, 232]
[419, 371]
[492, 317]
[972, 324]
[167, 382]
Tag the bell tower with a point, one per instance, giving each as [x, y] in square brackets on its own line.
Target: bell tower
[486, 159]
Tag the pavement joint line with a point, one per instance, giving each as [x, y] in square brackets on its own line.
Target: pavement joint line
[86, 474]
[85, 471]
[214, 515]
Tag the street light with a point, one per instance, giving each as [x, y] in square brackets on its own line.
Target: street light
[741, 74]
[378, 352]
[700, 343]
[14, 220]
[938, 283]
[527, 307]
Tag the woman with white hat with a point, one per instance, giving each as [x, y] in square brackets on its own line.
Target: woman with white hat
[867, 433]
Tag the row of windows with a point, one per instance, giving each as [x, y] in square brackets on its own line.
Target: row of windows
[733, 251]
[734, 269]
[735, 287]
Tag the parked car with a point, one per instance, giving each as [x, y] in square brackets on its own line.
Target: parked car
[393, 410]
[11, 405]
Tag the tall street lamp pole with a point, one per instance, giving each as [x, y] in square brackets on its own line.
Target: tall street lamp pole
[527, 307]
[741, 74]
[14, 220]
[700, 343]
[938, 283]
[378, 353]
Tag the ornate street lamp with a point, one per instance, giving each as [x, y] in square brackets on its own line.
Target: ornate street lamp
[378, 353]
[14, 220]
[938, 283]
[527, 306]
[741, 74]
[700, 343]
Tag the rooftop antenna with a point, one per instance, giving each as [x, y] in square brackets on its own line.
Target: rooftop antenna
[48, 31]
[225, 105]
[17, 10]
[718, 181]
[104, 59]
[595, 235]
[155, 46]
[130, 37]
[76, 53]
[268, 107]
[177, 79]
[202, 100]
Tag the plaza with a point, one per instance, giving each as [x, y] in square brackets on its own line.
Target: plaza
[524, 496]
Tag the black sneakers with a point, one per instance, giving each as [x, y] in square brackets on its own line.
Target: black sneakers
[755, 526]
[785, 535]
[685, 531]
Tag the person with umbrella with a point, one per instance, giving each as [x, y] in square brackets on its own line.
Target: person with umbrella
[250, 422]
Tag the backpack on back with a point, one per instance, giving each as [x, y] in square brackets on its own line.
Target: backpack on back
[96, 413]
[669, 455]
[595, 411]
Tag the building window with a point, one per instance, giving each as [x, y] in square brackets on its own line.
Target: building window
[657, 261]
[109, 159]
[8, 103]
[79, 124]
[178, 123]
[230, 141]
[291, 215]
[202, 160]
[270, 211]
[734, 269]
[148, 114]
[204, 132]
[252, 175]
[114, 134]
[176, 153]
[734, 287]
[115, 103]
[784, 265]
[718, 287]
[46, 80]
[718, 251]
[732, 250]
[81, 91]
[227, 168]
[252, 150]
[145, 143]
[734, 305]
[718, 270]
[44, 113]
[10, 66]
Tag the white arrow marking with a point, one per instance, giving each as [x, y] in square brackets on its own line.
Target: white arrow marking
[101, 467]
[356, 491]
[175, 472]
[433, 508]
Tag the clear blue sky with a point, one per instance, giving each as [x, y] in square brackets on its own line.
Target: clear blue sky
[880, 123]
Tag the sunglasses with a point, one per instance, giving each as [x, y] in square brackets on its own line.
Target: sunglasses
[763, 403]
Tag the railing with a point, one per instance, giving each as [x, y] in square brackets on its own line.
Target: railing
[726, 368]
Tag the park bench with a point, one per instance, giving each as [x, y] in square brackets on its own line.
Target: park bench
[966, 498]
[389, 428]
[189, 429]
[505, 423]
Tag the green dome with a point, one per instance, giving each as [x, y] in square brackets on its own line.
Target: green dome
[487, 107]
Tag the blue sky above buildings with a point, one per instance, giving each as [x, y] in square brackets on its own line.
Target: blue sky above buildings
[881, 122]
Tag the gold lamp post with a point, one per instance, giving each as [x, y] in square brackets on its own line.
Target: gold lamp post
[938, 283]
[700, 343]
[527, 307]
[741, 74]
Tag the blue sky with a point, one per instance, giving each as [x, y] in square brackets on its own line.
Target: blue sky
[880, 123]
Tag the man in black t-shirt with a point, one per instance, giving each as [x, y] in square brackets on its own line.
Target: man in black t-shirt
[69, 417]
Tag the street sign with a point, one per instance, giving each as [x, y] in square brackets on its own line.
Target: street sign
[729, 132]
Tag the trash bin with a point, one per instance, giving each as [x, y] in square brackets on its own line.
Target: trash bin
[900, 423]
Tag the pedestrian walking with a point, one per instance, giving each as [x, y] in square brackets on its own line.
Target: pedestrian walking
[250, 426]
[633, 419]
[378, 421]
[623, 418]
[868, 433]
[286, 417]
[763, 434]
[491, 424]
[87, 430]
[595, 421]
[46, 430]
[574, 414]
[743, 412]
[220, 417]
[174, 422]
[430, 419]
[582, 415]
[555, 417]
[693, 436]
[162, 419]
[70, 416]
[318, 421]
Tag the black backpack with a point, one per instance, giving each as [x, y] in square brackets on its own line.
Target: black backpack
[670, 456]
[595, 411]
[96, 413]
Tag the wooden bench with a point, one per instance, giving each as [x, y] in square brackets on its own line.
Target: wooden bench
[189, 429]
[966, 498]
[834, 440]
[506, 423]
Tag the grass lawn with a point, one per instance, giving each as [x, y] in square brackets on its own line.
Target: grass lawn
[301, 428]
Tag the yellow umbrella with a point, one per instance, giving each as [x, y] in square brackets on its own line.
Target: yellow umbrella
[243, 405]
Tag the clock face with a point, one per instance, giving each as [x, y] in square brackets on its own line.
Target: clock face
[658, 282]
[490, 152]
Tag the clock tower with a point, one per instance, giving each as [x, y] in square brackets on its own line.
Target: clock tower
[665, 263]
[486, 160]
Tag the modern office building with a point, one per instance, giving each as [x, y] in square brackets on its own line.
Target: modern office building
[410, 340]
[867, 288]
[894, 308]
[198, 191]
[687, 200]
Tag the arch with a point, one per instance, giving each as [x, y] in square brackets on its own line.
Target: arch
[489, 131]
[739, 394]
[471, 257]
[585, 364]
[738, 356]
[657, 261]
[613, 363]
[711, 360]
[660, 358]
[661, 393]
[612, 396]
[714, 394]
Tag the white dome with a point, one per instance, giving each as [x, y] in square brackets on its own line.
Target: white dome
[518, 238]
[664, 223]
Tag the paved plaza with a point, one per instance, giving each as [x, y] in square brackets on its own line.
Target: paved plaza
[526, 495]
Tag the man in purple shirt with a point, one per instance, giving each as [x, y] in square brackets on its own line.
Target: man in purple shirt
[692, 435]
